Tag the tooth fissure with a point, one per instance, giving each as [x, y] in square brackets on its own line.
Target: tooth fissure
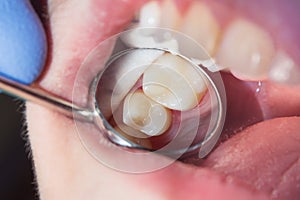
[174, 83]
[142, 113]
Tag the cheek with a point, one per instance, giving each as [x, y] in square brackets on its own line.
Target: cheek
[64, 168]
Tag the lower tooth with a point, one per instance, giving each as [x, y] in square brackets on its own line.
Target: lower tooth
[145, 115]
[246, 50]
[284, 70]
[174, 83]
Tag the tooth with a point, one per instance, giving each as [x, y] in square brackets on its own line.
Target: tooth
[145, 115]
[170, 15]
[200, 24]
[284, 70]
[174, 83]
[150, 16]
[146, 33]
[120, 77]
[246, 50]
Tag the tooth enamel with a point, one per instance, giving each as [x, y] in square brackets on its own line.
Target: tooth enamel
[118, 79]
[137, 38]
[246, 50]
[170, 16]
[145, 115]
[200, 24]
[284, 70]
[174, 83]
[145, 33]
[150, 16]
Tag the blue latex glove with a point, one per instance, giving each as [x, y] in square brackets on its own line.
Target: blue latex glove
[23, 47]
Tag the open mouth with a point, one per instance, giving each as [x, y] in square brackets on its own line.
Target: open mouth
[258, 152]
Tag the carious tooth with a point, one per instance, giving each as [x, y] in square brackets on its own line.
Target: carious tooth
[174, 83]
[284, 70]
[200, 24]
[120, 77]
[246, 50]
[145, 115]
[145, 34]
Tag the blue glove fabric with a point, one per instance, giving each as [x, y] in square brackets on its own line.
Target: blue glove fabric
[23, 46]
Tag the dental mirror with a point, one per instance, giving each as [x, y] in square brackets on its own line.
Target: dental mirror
[154, 93]
[140, 93]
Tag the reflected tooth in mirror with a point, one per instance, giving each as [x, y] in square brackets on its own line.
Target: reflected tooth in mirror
[246, 50]
[284, 70]
[145, 115]
[200, 24]
[174, 83]
[121, 76]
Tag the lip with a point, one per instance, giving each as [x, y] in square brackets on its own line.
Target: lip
[179, 181]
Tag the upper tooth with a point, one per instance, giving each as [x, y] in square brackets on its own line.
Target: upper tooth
[174, 83]
[119, 78]
[284, 70]
[200, 24]
[150, 16]
[246, 50]
[142, 113]
[147, 33]
[170, 16]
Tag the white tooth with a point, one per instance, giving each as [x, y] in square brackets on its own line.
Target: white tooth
[246, 50]
[284, 70]
[145, 115]
[200, 24]
[150, 16]
[174, 83]
[119, 78]
[170, 15]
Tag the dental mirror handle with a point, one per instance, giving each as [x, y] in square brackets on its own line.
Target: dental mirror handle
[45, 99]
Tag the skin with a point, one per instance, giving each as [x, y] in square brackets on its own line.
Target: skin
[65, 170]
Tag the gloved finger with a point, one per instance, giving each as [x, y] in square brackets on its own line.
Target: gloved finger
[23, 46]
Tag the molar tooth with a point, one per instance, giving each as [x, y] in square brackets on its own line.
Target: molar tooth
[146, 33]
[284, 70]
[200, 24]
[246, 50]
[174, 83]
[145, 115]
[119, 78]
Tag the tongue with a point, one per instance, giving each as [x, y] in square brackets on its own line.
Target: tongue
[265, 156]
[251, 102]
